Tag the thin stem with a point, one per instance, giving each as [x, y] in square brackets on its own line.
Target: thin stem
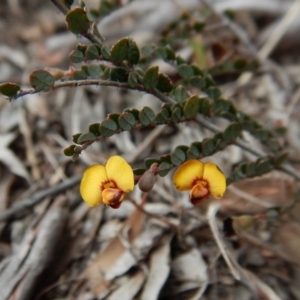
[61, 6]
[75, 83]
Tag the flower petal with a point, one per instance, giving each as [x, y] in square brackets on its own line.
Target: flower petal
[121, 172]
[186, 175]
[216, 180]
[113, 197]
[198, 193]
[90, 186]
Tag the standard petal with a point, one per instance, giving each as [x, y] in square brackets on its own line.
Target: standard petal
[187, 174]
[216, 180]
[90, 186]
[121, 172]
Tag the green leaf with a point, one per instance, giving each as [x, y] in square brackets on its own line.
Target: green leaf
[126, 121]
[86, 137]
[94, 129]
[139, 172]
[220, 142]
[223, 105]
[166, 158]
[251, 169]
[273, 144]
[198, 26]
[240, 64]
[178, 156]
[76, 56]
[191, 107]
[80, 74]
[133, 52]
[133, 78]
[280, 159]
[95, 71]
[114, 117]
[146, 116]
[9, 89]
[180, 93]
[69, 151]
[41, 80]
[77, 21]
[165, 53]
[185, 71]
[147, 50]
[125, 49]
[197, 82]
[179, 60]
[249, 126]
[160, 119]
[243, 170]
[133, 111]
[208, 147]
[81, 47]
[264, 166]
[105, 52]
[118, 74]
[213, 92]
[93, 52]
[164, 169]
[204, 108]
[262, 134]
[194, 151]
[75, 137]
[197, 70]
[150, 79]
[164, 84]
[108, 127]
[231, 133]
[150, 161]
[177, 114]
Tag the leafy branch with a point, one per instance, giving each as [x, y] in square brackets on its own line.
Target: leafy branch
[122, 67]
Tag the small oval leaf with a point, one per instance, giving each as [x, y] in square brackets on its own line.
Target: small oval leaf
[164, 84]
[191, 107]
[185, 71]
[231, 133]
[164, 169]
[194, 151]
[92, 52]
[208, 147]
[41, 80]
[86, 137]
[126, 121]
[150, 161]
[125, 49]
[118, 74]
[76, 56]
[108, 127]
[178, 156]
[94, 129]
[70, 150]
[77, 20]
[9, 89]
[150, 79]
[180, 93]
[146, 116]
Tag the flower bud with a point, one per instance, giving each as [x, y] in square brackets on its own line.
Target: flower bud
[147, 181]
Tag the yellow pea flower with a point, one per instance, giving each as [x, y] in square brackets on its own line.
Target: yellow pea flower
[201, 179]
[107, 184]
